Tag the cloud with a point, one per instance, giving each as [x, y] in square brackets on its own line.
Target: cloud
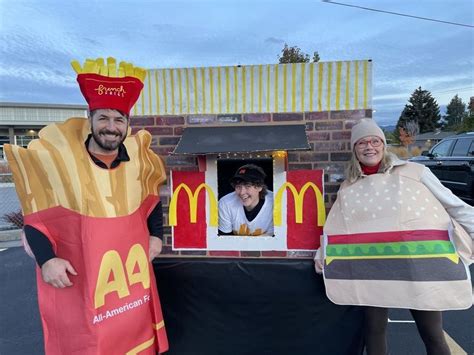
[91, 41]
[39, 38]
[274, 40]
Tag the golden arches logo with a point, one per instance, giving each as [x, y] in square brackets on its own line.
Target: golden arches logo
[298, 197]
[193, 197]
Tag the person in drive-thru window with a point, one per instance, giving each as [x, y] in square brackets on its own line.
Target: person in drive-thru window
[249, 209]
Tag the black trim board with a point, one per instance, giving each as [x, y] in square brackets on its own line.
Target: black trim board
[238, 139]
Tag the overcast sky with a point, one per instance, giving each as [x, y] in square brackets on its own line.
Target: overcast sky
[40, 38]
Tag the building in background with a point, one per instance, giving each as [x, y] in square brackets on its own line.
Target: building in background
[426, 140]
[21, 122]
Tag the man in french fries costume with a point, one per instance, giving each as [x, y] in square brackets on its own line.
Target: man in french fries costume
[89, 194]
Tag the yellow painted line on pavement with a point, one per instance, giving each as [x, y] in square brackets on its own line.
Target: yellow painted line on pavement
[453, 346]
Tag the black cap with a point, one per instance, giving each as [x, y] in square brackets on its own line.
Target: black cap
[249, 173]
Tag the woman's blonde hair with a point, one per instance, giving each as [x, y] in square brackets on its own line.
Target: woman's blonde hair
[354, 171]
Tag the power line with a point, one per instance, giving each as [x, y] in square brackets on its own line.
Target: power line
[452, 90]
[398, 14]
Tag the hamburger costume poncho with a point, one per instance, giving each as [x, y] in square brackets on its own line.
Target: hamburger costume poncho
[390, 243]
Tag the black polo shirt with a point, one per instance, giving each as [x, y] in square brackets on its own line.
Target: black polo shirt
[122, 155]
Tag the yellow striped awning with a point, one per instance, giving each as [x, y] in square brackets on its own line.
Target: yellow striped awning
[294, 87]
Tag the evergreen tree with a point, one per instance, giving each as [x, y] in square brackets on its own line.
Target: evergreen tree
[295, 55]
[422, 111]
[455, 112]
[468, 121]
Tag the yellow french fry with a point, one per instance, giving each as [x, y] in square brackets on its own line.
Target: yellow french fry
[121, 73]
[76, 66]
[140, 73]
[90, 66]
[128, 69]
[112, 64]
[109, 68]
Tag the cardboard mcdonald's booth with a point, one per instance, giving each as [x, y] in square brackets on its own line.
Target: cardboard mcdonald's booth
[295, 228]
[253, 294]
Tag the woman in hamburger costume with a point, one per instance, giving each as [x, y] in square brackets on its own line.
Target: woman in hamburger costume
[396, 238]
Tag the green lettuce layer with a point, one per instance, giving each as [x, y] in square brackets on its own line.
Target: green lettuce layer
[431, 247]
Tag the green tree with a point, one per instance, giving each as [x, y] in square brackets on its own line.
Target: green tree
[316, 57]
[468, 121]
[455, 112]
[390, 136]
[295, 55]
[422, 111]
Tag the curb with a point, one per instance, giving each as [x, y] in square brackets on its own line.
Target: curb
[10, 235]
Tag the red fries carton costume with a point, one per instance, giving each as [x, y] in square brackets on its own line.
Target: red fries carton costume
[95, 218]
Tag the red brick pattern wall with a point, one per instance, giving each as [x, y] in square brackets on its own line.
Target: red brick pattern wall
[328, 134]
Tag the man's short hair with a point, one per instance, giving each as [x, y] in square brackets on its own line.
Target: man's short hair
[91, 112]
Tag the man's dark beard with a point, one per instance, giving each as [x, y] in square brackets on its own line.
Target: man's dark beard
[111, 146]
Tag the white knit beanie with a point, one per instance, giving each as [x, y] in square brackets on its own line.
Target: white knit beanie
[366, 127]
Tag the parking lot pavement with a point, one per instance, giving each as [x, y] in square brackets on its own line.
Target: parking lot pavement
[20, 326]
[403, 336]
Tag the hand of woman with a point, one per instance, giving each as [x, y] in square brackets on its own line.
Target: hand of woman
[318, 262]
[318, 266]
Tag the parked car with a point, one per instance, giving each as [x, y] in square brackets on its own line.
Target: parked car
[452, 161]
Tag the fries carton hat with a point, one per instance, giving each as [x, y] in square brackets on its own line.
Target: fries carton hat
[104, 86]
